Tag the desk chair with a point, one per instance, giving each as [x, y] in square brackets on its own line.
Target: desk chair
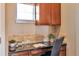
[56, 48]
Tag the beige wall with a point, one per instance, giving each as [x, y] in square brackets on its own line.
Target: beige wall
[77, 28]
[11, 25]
[68, 27]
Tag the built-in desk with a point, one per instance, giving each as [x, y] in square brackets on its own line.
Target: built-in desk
[31, 51]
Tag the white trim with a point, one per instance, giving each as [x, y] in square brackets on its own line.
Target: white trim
[2, 29]
[25, 21]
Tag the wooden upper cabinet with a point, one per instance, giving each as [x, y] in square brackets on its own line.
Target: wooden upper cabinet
[49, 14]
[55, 13]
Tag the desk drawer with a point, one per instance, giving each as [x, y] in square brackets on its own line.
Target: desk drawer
[22, 53]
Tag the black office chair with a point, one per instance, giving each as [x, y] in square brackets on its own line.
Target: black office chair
[56, 48]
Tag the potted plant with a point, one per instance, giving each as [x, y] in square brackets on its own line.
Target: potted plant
[12, 45]
[51, 38]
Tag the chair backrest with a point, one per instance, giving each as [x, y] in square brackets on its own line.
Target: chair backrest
[56, 46]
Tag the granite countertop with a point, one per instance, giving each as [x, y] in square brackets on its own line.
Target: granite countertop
[30, 47]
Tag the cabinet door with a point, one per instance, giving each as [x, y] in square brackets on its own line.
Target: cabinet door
[22, 54]
[43, 14]
[55, 13]
[49, 14]
[63, 50]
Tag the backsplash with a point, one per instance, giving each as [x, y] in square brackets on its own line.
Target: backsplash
[41, 34]
[43, 30]
[54, 29]
[31, 37]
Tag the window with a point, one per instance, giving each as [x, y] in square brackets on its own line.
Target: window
[25, 13]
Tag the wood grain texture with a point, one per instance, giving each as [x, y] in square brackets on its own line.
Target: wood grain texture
[50, 14]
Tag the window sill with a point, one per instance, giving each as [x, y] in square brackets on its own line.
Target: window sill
[25, 21]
